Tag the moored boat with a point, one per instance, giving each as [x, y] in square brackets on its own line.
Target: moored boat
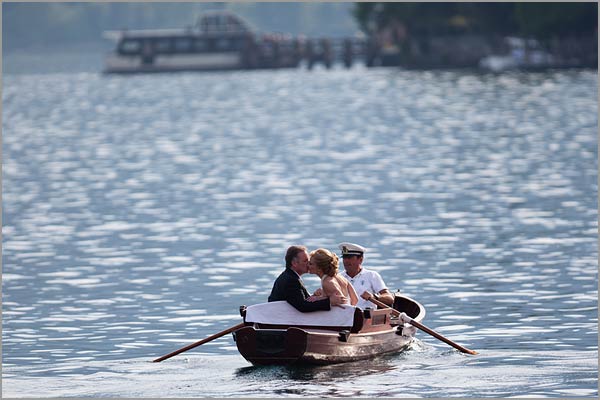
[277, 334]
[220, 40]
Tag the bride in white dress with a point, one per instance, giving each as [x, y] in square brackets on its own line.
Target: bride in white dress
[325, 264]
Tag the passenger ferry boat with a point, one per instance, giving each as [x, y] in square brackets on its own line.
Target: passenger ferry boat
[220, 40]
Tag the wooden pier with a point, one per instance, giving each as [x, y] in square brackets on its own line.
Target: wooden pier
[312, 52]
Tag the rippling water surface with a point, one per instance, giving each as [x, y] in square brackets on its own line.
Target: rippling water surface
[140, 212]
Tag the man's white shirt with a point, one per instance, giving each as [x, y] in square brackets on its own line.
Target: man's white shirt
[365, 280]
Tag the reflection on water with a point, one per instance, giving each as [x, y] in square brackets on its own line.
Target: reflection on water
[321, 374]
[140, 212]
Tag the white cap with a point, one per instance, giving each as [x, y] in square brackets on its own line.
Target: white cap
[351, 249]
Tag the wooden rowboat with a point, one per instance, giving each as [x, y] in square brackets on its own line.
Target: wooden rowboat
[277, 334]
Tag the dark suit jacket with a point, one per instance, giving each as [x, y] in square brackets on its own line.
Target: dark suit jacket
[289, 287]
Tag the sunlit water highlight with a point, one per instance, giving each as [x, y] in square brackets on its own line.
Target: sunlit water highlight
[140, 212]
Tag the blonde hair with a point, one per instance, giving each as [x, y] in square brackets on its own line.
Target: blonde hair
[326, 261]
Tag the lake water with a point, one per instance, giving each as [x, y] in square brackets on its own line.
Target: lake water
[140, 212]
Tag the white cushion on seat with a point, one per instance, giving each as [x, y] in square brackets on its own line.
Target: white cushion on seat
[282, 313]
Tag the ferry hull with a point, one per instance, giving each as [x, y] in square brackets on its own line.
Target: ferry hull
[193, 62]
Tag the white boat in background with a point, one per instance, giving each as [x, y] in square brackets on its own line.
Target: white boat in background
[522, 54]
[219, 41]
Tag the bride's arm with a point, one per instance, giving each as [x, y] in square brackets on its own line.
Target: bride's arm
[352, 293]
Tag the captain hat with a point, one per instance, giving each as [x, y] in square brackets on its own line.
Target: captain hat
[351, 249]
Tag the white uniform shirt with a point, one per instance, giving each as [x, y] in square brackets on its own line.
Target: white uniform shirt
[365, 280]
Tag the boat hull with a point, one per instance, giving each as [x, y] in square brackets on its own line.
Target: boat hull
[124, 64]
[296, 345]
[367, 334]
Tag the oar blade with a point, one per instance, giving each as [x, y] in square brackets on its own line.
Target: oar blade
[200, 342]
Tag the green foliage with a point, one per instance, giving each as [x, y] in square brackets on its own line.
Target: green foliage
[494, 18]
[523, 18]
[546, 20]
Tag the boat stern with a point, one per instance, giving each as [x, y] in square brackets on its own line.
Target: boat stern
[270, 346]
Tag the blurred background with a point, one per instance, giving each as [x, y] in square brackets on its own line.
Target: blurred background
[58, 36]
[139, 211]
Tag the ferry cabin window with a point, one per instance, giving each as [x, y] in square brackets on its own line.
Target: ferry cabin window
[237, 44]
[233, 25]
[232, 44]
[222, 44]
[200, 45]
[183, 45]
[162, 45]
[208, 24]
[130, 46]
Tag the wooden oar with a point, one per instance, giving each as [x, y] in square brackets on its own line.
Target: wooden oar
[208, 339]
[409, 320]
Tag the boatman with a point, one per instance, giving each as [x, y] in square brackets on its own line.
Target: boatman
[361, 278]
[289, 286]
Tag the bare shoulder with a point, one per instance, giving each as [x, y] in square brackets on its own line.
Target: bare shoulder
[329, 285]
[341, 280]
[326, 281]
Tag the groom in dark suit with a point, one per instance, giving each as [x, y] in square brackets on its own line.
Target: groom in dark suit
[289, 286]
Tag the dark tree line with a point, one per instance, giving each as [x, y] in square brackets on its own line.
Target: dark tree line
[539, 20]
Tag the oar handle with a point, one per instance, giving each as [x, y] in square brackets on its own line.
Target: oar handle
[206, 340]
[405, 318]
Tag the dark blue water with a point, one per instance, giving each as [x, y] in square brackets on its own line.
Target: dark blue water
[140, 212]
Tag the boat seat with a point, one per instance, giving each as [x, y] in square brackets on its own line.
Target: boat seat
[282, 313]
